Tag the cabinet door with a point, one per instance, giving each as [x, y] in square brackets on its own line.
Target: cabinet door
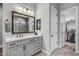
[26, 50]
[29, 50]
[16, 51]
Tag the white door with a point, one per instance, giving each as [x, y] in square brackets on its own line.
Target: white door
[53, 29]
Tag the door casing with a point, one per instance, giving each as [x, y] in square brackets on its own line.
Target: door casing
[75, 23]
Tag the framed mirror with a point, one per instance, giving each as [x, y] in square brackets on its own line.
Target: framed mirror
[22, 23]
[38, 24]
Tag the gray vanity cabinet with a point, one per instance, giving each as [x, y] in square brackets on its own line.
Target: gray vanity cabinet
[24, 47]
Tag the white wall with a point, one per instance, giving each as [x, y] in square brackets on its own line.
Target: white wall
[42, 12]
[7, 12]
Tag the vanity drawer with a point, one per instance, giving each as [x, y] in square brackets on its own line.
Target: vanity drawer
[31, 40]
[20, 42]
[37, 43]
[38, 48]
[37, 39]
[12, 44]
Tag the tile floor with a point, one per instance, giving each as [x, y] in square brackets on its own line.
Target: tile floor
[67, 50]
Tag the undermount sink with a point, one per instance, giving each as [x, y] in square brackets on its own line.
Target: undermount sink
[10, 39]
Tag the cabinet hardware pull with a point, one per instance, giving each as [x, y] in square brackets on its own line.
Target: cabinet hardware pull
[38, 43]
[24, 47]
[38, 48]
[12, 44]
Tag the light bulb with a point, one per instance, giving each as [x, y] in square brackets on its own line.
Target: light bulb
[29, 11]
[24, 9]
[32, 12]
[20, 8]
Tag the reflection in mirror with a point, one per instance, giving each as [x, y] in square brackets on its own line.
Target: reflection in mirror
[23, 23]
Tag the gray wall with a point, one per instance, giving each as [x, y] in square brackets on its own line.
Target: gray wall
[0, 24]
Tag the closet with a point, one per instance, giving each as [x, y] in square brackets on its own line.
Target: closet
[70, 31]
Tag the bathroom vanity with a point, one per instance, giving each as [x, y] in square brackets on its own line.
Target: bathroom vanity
[25, 46]
[22, 45]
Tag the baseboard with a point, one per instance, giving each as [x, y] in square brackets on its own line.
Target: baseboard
[47, 53]
[0, 46]
[44, 52]
[77, 51]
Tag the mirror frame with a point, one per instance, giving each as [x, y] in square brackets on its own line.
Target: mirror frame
[13, 23]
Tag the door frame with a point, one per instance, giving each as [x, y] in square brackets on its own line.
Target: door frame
[76, 23]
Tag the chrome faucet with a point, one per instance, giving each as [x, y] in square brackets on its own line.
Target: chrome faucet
[19, 35]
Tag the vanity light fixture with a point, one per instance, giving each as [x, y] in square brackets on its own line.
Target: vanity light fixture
[25, 10]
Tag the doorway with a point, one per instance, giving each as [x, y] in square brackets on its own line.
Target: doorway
[68, 28]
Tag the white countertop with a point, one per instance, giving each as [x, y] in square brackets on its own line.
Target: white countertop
[9, 39]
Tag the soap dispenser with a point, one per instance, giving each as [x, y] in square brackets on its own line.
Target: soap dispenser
[36, 33]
